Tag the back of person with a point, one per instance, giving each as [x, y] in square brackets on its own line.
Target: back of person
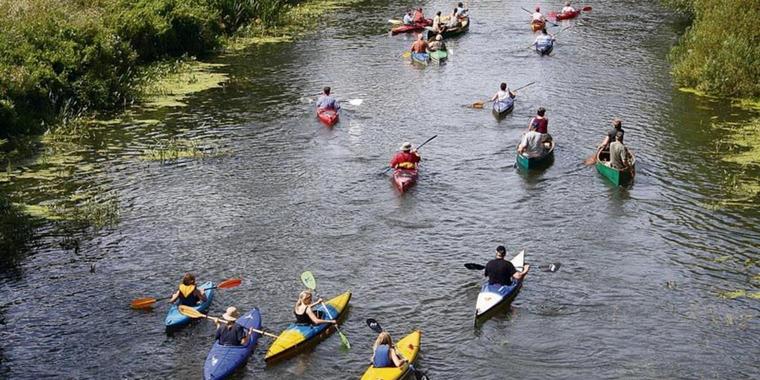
[568, 9]
[544, 40]
[405, 160]
[327, 102]
[419, 46]
[617, 155]
[537, 16]
[533, 144]
[418, 17]
[230, 335]
[453, 21]
[382, 357]
[612, 132]
[541, 123]
[502, 95]
[500, 272]
[188, 295]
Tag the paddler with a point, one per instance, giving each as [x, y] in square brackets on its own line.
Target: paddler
[420, 45]
[568, 8]
[326, 101]
[618, 153]
[407, 158]
[188, 293]
[418, 17]
[503, 94]
[453, 20]
[502, 272]
[537, 16]
[437, 27]
[384, 352]
[460, 11]
[541, 123]
[229, 333]
[437, 44]
[532, 144]
[617, 127]
[408, 18]
[303, 312]
[544, 40]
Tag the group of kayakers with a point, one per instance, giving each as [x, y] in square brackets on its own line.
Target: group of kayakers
[439, 25]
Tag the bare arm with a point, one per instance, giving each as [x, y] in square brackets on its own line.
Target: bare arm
[174, 297]
[317, 321]
[201, 294]
[398, 361]
[523, 273]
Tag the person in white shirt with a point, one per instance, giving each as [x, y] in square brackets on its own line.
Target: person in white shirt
[453, 20]
[537, 16]
[544, 40]
[460, 11]
[503, 94]
[568, 8]
[532, 144]
[408, 18]
[437, 22]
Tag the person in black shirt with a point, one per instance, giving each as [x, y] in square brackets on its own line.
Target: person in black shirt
[617, 127]
[229, 333]
[501, 272]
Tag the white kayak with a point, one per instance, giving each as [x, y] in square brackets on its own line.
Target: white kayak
[492, 296]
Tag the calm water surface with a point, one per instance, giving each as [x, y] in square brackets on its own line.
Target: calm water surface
[642, 267]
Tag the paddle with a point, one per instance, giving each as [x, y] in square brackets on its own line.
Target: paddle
[374, 325]
[479, 104]
[553, 267]
[192, 313]
[310, 282]
[148, 302]
[418, 148]
[529, 12]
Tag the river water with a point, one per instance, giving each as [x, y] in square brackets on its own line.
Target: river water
[643, 267]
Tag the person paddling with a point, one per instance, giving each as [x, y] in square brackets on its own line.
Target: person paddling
[503, 94]
[304, 313]
[437, 44]
[326, 101]
[538, 18]
[384, 352]
[501, 272]
[568, 8]
[617, 127]
[188, 293]
[408, 18]
[420, 45]
[407, 158]
[418, 17]
[541, 123]
[532, 144]
[229, 333]
[619, 153]
[460, 11]
[544, 41]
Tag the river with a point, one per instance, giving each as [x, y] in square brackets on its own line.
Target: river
[643, 267]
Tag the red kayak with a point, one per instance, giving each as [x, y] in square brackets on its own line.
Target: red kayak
[404, 178]
[416, 27]
[327, 116]
[565, 16]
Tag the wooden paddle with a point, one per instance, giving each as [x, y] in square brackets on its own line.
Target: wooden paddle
[148, 302]
[192, 313]
[553, 267]
[479, 104]
[310, 282]
[374, 325]
[418, 148]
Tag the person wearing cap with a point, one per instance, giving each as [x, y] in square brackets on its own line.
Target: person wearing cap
[568, 8]
[407, 158]
[501, 272]
[618, 153]
[437, 44]
[188, 293]
[229, 333]
[326, 101]
[419, 45]
[532, 144]
[541, 123]
[303, 312]
[617, 127]
[418, 16]
[503, 94]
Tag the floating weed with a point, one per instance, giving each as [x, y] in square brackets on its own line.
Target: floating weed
[734, 294]
[176, 149]
[168, 85]
[722, 258]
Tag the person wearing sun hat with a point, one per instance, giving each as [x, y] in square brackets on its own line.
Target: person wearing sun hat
[407, 158]
[229, 333]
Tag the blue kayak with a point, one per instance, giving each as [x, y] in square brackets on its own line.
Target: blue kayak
[175, 319]
[544, 49]
[423, 58]
[222, 361]
[503, 107]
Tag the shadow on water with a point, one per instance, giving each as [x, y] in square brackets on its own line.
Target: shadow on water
[16, 233]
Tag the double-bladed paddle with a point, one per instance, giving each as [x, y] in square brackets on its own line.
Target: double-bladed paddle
[374, 325]
[553, 267]
[479, 104]
[418, 148]
[192, 313]
[148, 302]
[310, 282]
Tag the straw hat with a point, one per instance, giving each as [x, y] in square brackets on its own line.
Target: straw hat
[438, 37]
[231, 315]
[406, 146]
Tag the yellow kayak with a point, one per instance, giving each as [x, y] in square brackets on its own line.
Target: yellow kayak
[299, 336]
[408, 347]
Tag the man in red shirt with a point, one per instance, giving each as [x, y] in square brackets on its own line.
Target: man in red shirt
[418, 17]
[406, 158]
[541, 123]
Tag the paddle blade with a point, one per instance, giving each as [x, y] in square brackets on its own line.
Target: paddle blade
[407, 54]
[587, 9]
[590, 160]
[143, 303]
[190, 312]
[374, 325]
[308, 280]
[230, 283]
[344, 340]
[553, 267]
[477, 105]
[473, 266]
[356, 102]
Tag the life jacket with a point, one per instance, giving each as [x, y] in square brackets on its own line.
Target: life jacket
[382, 357]
[542, 125]
[187, 295]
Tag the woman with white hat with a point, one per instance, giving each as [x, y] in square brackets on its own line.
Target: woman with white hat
[229, 333]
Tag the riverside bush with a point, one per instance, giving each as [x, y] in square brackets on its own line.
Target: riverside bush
[720, 52]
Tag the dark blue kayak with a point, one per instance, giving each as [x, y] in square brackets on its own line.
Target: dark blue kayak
[222, 361]
[175, 319]
[503, 107]
[544, 49]
[423, 58]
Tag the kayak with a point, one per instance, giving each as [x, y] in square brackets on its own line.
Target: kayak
[539, 161]
[504, 107]
[408, 347]
[464, 25]
[416, 27]
[222, 361]
[297, 337]
[491, 297]
[175, 319]
[544, 49]
[421, 58]
[404, 178]
[616, 176]
[439, 56]
[327, 116]
[537, 25]
[568, 15]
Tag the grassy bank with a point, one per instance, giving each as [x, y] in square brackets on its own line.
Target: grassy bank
[719, 53]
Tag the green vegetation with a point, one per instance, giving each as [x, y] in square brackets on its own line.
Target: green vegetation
[720, 52]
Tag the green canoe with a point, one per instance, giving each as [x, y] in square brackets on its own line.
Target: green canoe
[539, 162]
[616, 176]
[439, 56]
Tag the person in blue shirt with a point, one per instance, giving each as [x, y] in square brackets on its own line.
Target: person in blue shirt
[384, 353]
[229, 333]
[326, 101]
